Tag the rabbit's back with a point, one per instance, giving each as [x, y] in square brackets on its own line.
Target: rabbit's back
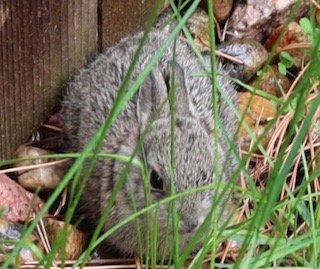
[92, 93]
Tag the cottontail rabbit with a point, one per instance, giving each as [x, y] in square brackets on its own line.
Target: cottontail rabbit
[88, 101]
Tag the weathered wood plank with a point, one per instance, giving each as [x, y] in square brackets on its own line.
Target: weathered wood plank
[121, 18]
[42, 42]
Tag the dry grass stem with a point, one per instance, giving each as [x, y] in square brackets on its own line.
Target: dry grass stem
[315, 3]
[293, 46]
[34, 166]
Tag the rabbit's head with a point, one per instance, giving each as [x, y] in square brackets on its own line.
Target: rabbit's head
[189, 141]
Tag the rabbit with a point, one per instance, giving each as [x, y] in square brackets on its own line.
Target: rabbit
[89, 98]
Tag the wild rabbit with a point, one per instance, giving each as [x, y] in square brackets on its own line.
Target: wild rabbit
[88, 101]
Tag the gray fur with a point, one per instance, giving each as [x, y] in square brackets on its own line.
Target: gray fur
[87, 103]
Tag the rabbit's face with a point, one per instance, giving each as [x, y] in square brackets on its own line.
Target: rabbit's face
[193, 159]
[193, 167]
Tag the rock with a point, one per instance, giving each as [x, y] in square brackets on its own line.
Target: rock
[42, 178]
[258, 112]
[16, 202]
[250, 52]
[256, 19]
[13, 232]
[221, 8]
[75, 240]
[198, 25]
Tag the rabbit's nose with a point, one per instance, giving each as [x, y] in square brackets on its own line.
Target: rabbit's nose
[188, 226]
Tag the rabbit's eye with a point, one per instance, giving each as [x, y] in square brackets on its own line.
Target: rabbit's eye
[156, 181]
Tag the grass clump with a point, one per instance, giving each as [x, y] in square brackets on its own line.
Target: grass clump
[275, 221]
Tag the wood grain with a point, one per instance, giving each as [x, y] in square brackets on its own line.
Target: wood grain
[121, 18]
[42, 43]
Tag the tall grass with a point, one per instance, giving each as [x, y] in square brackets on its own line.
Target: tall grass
[280, 226]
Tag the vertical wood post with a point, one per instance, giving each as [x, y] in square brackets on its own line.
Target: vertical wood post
[42, 42]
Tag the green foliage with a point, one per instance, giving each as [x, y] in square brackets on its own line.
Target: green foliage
[307, 27]
[312, 32]
[286, 62]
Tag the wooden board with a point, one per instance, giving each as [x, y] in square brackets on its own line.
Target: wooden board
[42, 42]
[121, 18]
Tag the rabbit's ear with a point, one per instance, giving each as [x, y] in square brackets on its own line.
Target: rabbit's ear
[183, 106]
[153, 98]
